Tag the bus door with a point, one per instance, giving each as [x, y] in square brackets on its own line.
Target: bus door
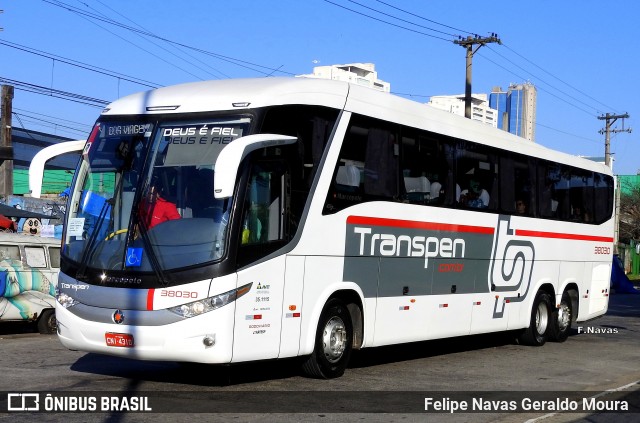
[264, 228]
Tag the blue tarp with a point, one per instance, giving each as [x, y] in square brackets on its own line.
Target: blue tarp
[619, 280]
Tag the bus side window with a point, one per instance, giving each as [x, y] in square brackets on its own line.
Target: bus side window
[424, 167]
[477, 175]
[516, 194]
[368, 166]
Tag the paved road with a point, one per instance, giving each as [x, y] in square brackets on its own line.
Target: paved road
[388, 379]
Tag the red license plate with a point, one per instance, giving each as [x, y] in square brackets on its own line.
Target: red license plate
[119, 339]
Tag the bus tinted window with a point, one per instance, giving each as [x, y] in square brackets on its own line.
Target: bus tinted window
[517, 178]
[382, 161]
[426, 168]
[477, 176]
[368, 166]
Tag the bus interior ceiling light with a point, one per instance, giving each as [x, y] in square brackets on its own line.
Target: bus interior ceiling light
[241, 104]
[161, 108]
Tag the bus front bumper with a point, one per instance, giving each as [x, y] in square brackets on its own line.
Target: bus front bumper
[207, 338]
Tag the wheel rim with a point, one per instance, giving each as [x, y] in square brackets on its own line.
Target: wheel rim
[564, 316]
[334, 339]
[52, 323]
[542, 318]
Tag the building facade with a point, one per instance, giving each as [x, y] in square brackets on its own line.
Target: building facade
[480, 109]
[357, 73]
[59, 170]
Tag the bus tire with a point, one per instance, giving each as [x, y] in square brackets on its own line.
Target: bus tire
[47, 323]
[541, 315]
[333, 343]
[561, 319]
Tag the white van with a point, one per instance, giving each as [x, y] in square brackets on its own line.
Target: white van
[29, 267]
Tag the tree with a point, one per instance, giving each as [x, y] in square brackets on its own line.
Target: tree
[629, 212]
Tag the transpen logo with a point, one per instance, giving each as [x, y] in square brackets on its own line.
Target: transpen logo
[387, 245]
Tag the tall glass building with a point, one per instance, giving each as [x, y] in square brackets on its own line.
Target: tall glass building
[516, 109]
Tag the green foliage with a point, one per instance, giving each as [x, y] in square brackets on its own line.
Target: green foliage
[629, 212]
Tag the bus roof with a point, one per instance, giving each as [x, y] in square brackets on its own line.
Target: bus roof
[244, 94]
[224, 94]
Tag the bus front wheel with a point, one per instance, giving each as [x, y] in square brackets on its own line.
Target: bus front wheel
[333, 343]
[541, 316]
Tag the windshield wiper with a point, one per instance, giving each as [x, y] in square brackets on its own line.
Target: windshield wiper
[153, 258]
[91, 242]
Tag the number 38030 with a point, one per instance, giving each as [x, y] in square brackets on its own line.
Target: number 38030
[178, 294]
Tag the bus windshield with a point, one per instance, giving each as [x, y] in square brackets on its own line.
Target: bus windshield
[144, 200]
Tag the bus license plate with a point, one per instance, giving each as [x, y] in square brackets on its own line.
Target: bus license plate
[119, 339]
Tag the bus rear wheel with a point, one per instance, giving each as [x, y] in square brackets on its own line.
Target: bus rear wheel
[333, 343]
[541, 316]
[561, 320]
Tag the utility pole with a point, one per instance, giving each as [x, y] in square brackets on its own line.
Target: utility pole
[610, 120]
[6, 149]
[469, 43]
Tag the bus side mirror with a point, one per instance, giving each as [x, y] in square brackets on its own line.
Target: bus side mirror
[228, 162]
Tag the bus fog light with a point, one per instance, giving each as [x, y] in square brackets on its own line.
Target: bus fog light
[209, 340]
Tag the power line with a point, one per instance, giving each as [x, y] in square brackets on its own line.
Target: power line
[502, 56]
[553, 76]
[237, 62]
[400, 19]
[56, 125]
[50, 92]
[88, 126]
[386, 22]
[159, 46]
[567, 133]
[145, 50]
[540, 88]
[423, 18]
[543, 81]
[78, 64]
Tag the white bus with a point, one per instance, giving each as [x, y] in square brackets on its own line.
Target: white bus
[239, 220]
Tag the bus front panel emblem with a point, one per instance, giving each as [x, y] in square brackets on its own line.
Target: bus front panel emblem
[118, 317]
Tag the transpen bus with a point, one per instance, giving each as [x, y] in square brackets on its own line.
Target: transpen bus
[239, 220]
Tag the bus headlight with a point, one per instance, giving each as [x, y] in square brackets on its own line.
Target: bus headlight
[199, 307]
[65, 300]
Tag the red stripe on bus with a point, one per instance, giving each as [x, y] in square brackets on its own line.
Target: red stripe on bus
[412, 224]
[150, 294]
[556, 235]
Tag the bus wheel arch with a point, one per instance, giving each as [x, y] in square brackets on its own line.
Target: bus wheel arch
[540, 318]
[339, 331]
[354, 306]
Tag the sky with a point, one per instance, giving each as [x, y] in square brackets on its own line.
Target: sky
[65, 57]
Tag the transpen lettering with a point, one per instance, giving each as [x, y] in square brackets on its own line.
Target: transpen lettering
[382, 244]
